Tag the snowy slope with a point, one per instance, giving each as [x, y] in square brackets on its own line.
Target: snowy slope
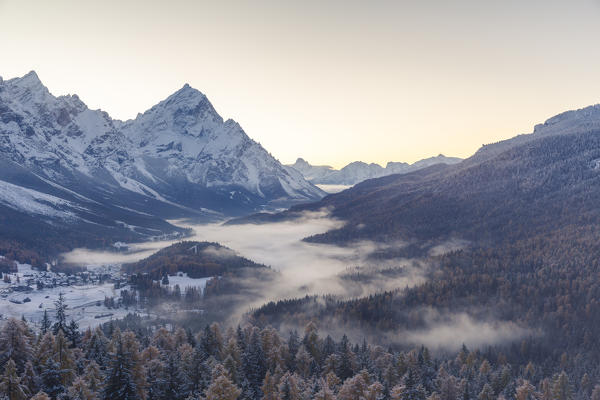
[176, 159]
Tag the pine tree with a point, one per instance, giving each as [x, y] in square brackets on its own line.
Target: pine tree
[62, 355]
[14, 343]
[96, 348]
[411, 389]
[51, 379]
[325, 392]
[269, 387]
[80, 391]
[311, 341]
[487, 393]
[61, 316]
[353, 389]
[586, 384]
[41, 396]
[11, 385]
[347, 359]
[175, 385]
[119, 384]
[232, 360]
[29, 379]
[221, 387]
[253, 361]
[155, 378]
[131, 346]
[72, 333]
[289, 388]
[293, 346]
[93, 377]
[303, 362]
[561, 389]
[45, 349]
[46, 323]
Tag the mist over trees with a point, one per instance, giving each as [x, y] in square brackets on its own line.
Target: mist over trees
[143, 362]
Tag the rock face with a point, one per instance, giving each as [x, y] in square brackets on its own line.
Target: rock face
[63, 162]
[359, 171]
[180, 152]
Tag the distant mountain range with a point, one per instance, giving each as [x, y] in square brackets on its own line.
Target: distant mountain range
[359, 171]
[78, 170]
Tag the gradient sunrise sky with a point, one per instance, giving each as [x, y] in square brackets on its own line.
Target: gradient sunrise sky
[330, 81]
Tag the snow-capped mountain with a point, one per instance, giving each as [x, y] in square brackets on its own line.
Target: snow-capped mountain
[177, 159]
[359, 171]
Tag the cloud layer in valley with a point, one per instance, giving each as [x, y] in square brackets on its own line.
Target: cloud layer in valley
[315, 269]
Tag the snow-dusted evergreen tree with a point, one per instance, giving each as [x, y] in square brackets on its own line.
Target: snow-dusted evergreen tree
[487, 393]
[289, 388]
[29, 379]
[269, 387]
[232, 360]
[61, 316]
[45, 350]
[96, 347]
[93, 377]
[176, 386]
[51, 379]
[79, 390]
[10, 384]
[561, 388]
[155, 377]
[221, 387]
[293, 346]
[62, 355]
[15, 343]
[200, 374]
[253, 362]
[119, 383]
[324, 392]
[46, 324]
[347, 359]
[72, 333]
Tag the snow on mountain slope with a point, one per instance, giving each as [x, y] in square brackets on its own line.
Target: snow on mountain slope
[186, 131]
[34, 202]
[176, 158]
[358, 171]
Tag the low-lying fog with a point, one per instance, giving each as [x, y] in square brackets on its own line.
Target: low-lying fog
[308, 268]
[305, 268]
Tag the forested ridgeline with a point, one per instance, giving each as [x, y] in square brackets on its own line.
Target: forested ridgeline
[197, 259]
[539, 186]
[254, 363]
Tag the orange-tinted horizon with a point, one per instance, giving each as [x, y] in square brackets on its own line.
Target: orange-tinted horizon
[332, 82]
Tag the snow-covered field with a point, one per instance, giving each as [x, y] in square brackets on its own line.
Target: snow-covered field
[184, 281]
[21, 297]
[85, 301]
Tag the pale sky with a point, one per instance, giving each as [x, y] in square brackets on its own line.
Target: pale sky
[329, 81]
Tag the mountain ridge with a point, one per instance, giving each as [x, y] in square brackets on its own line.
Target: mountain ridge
[79, 167]
[358, 171]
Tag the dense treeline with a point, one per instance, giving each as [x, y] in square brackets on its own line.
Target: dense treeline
[548, 284]
[530, 215]
[153, 362]
[14, 250]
